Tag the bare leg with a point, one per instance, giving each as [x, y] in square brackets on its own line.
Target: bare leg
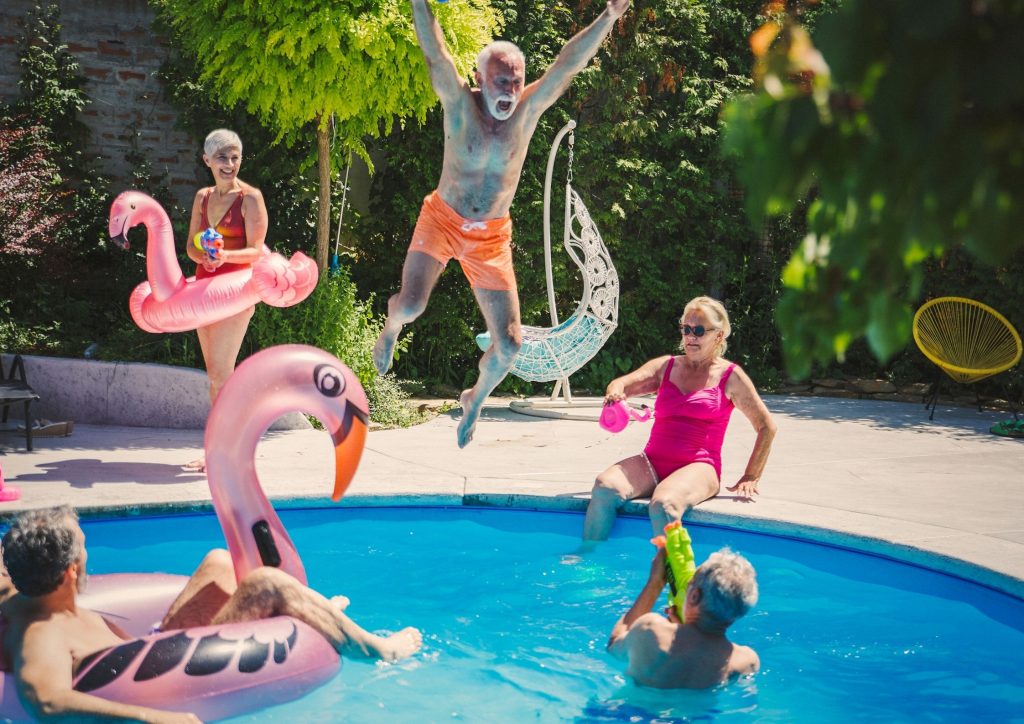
[205, 594]
[501, 313]
[625, 480]
[220, 343]
[419, 275]
[679, 492]
[270, 592]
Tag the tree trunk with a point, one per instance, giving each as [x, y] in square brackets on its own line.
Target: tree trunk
[323, 226]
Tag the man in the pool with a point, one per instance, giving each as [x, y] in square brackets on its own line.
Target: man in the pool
[48, 635]
[487, 131]
[666, 653]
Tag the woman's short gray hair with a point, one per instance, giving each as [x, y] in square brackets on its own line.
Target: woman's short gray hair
[728, 586]
[221, 138]
[715, 312]
[503, 47]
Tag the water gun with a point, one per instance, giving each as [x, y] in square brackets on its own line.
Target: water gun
[209, 241]
[679, 564]
[615, 416]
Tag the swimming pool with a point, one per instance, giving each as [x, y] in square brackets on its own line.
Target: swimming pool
[515, 627]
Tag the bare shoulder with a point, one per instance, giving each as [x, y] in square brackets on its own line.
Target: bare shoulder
[739, 381]
[650, 621]
[253, 205]
[43, 635]
[252, 194]
[657, 365]
[737, 371]
[744, 660]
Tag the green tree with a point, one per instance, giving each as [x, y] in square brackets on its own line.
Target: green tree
[296, 64]
[902, 123]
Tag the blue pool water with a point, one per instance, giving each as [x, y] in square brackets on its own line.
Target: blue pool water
[515, 627]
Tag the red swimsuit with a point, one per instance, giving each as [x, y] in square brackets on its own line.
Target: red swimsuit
[688, 427]
[231, 226]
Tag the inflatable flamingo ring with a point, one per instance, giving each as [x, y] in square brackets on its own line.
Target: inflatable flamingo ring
[230, 669]
[168, 302]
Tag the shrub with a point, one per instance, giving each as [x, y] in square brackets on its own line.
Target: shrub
[30, 191]
[333, 319]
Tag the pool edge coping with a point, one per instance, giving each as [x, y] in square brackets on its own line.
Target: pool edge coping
[901, 552]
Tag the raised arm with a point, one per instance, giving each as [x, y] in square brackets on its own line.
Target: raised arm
[744, 395]
[44, 680]
[574, 57]
[636, 618]
[443, 75]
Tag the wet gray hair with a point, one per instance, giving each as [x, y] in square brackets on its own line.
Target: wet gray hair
[39, 546]
[715, 312]
[728, 585]
[221, 138]
[502, 47]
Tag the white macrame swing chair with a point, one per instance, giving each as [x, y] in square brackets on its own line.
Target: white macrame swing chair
[552, 354]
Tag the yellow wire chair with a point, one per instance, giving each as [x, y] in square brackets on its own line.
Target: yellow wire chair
[966, 339]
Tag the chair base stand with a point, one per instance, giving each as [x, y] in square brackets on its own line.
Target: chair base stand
[584, 409]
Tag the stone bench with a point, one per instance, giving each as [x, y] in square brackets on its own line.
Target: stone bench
[125, 393]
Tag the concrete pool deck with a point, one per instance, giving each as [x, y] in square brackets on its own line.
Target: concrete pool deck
[876, 476]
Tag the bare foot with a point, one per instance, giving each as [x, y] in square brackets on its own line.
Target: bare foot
[196, 466]
[384, 350]
[401, 645]
[340, 602]
[470, 413]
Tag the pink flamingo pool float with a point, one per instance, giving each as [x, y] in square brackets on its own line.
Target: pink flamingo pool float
[168, 302]
[229, 669]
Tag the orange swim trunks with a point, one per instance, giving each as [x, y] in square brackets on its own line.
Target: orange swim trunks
[483, 248]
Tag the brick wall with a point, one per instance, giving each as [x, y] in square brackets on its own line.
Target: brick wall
[119, 55]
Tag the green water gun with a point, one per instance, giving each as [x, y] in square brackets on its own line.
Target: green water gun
[679, 563]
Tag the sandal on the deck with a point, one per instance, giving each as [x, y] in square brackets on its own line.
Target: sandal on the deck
[45, 428]
[196, 466]
[1008, 428]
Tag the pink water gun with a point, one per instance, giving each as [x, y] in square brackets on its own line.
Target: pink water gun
[615, 416]
[210, 242]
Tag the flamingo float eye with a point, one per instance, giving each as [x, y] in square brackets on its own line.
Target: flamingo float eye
[328, 380]
[132, 206]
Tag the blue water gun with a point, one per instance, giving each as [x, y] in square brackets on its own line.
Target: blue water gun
[210, 242]
[679, 563]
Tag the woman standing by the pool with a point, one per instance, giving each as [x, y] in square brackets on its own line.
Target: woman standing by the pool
[682, 463]
[237, 211]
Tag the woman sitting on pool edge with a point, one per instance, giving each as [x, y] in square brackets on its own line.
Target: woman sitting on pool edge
[682, 463]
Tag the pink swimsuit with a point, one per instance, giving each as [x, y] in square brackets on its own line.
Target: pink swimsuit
[231, 226]
[688, 427]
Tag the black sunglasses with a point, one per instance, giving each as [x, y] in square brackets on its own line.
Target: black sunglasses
[697, 331]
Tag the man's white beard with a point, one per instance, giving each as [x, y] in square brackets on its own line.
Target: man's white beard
[492, 105]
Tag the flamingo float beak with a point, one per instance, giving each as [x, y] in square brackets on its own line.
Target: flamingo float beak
[119, 225]
[349, 439]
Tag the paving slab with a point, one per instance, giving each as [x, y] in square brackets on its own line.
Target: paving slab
[877, 476]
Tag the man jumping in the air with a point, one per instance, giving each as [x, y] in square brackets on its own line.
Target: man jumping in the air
[487, 131]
